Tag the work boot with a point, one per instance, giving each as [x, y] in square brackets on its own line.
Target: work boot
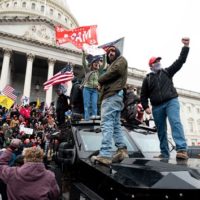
[182, 155]
[101, 159]
[161, 156]
[120, 155]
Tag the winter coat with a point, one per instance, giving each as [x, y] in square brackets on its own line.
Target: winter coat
[91, 76]
[25, 112]
[61, 107]
[159, 87]
[31, 181]
[114, 79]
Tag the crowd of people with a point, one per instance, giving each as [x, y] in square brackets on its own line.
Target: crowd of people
[102, 92]
[16, 125]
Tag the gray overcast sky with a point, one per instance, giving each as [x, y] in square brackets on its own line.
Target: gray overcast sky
[150, 28]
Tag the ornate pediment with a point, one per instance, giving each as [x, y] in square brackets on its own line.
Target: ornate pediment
[41, 33]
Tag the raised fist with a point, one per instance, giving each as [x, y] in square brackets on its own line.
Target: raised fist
[186, 41]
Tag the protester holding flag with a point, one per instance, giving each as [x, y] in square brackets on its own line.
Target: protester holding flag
[90, 84]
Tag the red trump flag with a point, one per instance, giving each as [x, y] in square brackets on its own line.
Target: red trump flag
[77, 36]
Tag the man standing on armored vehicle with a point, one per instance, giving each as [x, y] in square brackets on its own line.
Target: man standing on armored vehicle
[159, 88]
[112, 83]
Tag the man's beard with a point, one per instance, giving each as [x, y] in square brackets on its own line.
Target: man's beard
[111, 58]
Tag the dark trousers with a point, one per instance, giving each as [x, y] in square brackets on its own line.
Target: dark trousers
[3, 190]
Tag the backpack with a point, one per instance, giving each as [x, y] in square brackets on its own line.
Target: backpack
[131, 107]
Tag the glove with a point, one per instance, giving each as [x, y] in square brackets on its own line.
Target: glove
[15, 144]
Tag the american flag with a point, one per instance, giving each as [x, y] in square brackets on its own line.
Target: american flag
[62, 76]
[9, 92]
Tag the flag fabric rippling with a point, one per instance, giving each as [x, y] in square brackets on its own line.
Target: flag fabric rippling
[9, 92]
[77, 36]
[63, 76]
[117, 43]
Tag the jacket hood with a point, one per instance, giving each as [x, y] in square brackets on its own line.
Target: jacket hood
[31, 171]
[117, 54]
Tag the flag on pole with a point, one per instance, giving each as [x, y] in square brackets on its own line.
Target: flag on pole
[77, 36]
[93, 50]
[9, 92]
[119, 43]
[6, 102]
[62, 76]
[38, 103]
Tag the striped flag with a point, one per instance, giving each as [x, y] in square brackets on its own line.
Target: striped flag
[62, 76]
[9, 92]
[117, 43]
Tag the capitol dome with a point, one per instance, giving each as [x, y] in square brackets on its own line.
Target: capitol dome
[57, 11]
[62, 3]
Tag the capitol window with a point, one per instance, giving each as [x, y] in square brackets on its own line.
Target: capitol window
[24, 4]
[15, 4]
[59, 15]
[7, 5]
[42, 9]
[189, 109]
[191, 125]
[66, 20]
[33, 6]
[51, 11]
[198, 125]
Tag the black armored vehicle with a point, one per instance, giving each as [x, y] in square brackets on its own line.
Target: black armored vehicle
[140, 177]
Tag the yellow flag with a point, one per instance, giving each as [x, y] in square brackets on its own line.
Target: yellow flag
[6, 101]
[38, 103]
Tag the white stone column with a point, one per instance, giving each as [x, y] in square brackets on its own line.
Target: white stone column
[28, 75]
[49, 92]
[5, 68]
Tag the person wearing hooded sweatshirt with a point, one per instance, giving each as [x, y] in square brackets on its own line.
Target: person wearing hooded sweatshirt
[112, 83]
[62, 105]
[158, 87]
[90, 84]
[31, 180]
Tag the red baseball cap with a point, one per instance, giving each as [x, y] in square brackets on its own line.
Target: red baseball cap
[153, 60]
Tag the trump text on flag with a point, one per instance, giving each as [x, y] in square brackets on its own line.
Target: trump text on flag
[77, 36]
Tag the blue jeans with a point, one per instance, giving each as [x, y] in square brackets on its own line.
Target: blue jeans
[90, 97]
[111, 108]
[170, 109]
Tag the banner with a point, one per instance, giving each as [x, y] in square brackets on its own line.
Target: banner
[25, 100]
[77, 36]
[93, 50]
[28, 131]
[6, 102]
[117, 43]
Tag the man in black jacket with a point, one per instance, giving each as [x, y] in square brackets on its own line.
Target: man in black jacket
[158, 87]
[61, 105]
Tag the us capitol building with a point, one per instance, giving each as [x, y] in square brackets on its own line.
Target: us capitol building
[29, 55]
